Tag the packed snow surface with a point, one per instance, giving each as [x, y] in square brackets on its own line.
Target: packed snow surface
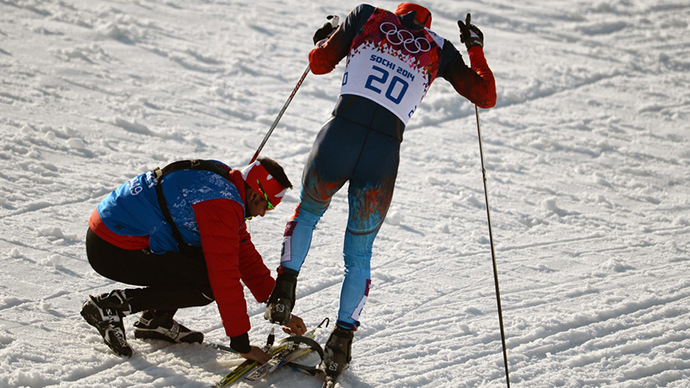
[587, 157]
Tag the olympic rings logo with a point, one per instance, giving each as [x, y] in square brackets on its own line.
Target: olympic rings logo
[404, 38]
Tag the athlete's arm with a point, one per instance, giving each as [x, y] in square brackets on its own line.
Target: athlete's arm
[477, 83]
[322, 60]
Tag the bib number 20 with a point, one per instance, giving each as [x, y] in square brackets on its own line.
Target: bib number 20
[394, 89]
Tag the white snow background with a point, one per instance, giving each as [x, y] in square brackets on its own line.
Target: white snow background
[587, 157]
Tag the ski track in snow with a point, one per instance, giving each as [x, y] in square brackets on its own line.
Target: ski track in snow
[586, 155]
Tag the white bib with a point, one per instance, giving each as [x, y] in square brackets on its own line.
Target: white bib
[387, 69]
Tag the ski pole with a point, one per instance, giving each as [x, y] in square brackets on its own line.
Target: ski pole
[334, 21]
[493, 253]
[280, 114]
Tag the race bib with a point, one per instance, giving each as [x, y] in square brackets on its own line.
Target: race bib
[391, 65]
[386, 80]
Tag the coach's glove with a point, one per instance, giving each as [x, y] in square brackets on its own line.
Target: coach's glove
[470, 35]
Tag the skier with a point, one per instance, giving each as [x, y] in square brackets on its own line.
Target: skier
[392, 59]
[180, 232]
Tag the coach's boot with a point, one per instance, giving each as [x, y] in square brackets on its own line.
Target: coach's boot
[161, 325]
[105, 313]
[282, 300]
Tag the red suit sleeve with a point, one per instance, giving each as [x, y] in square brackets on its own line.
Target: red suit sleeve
[255, 275]
[476, 84]
[220, 221]
[323, 59]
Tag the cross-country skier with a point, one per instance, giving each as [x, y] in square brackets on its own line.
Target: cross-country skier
[392, 59]
[180, 232]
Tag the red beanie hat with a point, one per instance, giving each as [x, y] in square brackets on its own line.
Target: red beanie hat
[423, 14]
[256, 176]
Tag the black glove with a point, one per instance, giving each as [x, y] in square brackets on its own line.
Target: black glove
[325, 31]
[470, 35]
[240, 344]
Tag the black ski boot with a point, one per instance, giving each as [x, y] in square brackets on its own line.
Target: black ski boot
[282, 300]
[338, 353]
[161, 325]
[105, 313]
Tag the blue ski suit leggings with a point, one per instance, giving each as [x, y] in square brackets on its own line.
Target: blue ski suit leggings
[360, 144]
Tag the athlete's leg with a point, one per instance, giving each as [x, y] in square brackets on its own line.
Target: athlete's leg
[332, 159]
[330, 164]
[370, 194]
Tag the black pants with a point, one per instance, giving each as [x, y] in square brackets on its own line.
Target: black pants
[171, 280]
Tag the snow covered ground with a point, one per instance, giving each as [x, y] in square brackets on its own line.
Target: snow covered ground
[587, 155]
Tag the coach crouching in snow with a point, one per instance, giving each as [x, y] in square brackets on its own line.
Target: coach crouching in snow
[180, 232]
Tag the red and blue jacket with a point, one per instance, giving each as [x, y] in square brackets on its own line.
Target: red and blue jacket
[209, 212]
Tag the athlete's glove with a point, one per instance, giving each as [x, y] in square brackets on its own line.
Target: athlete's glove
[470, 35]
[326, 30]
